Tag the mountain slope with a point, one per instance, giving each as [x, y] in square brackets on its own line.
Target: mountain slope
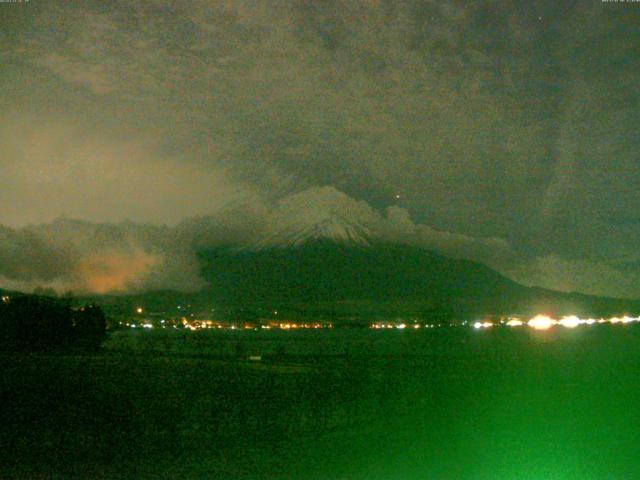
[327, 272]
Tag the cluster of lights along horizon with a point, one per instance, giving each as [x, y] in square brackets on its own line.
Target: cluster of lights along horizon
[545, 322]
[538, 322]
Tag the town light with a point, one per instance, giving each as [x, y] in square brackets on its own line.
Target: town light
[542, 322]
[570, 322]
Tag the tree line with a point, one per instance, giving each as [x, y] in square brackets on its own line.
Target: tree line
[33, 322]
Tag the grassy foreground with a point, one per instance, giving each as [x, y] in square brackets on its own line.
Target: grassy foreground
[133, 416]
[499, 405]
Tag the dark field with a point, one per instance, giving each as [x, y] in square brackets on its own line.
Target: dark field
[441, 404]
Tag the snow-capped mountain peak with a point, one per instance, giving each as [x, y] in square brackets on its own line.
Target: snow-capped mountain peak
[334, 217]
[334, 229]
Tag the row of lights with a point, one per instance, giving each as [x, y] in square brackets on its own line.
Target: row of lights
[400, 326]
[544, 322]
[210, 325]
[539, 322]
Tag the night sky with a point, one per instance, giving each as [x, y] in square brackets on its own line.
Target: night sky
[133, 133]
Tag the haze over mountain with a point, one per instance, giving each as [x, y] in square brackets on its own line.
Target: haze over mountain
[125, 257]
[324, 278]
[316, 250]
[313, 249]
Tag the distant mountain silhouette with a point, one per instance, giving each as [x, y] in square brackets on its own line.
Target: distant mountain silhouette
[326, 270]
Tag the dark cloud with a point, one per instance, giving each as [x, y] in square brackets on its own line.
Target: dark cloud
[25, 256]
[494, 120]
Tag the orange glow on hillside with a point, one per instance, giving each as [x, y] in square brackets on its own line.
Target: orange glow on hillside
[105, 272]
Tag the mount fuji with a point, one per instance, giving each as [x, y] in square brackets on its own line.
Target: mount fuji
[327, 261]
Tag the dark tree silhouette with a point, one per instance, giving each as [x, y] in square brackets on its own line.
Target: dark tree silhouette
[90, 326]
[32, 323]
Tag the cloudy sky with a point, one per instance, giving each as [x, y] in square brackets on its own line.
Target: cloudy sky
[132, 133]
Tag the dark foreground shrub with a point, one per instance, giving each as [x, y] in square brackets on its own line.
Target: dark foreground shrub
[33, 323]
